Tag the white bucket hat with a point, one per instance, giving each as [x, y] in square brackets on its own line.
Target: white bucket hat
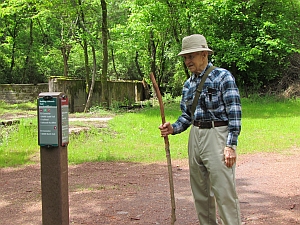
[194, 43]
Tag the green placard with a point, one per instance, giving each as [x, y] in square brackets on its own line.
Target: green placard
[48, 124]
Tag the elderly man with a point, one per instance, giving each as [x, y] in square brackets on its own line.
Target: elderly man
[216, 124]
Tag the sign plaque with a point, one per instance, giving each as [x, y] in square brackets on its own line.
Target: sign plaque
[48, 121]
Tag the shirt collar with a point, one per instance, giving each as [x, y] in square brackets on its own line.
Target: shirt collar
[194, 77]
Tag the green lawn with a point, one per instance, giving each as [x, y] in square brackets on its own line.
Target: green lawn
[267, 126]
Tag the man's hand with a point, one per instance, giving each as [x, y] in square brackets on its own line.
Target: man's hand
[230, 156]
[166, 129]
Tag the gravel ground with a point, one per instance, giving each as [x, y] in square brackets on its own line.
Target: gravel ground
[134, 193]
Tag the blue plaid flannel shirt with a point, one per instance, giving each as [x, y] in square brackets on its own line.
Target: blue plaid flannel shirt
[218, 101]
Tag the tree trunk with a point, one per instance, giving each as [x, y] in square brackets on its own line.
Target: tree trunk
[85, 49]
[27, 72]
[114, 64]
[153, 53]
[86, 65]
[138, 65]
[65, 50]
[175, 27]
[162, 62]
[88, 102]
[104, 84]
[13, 33]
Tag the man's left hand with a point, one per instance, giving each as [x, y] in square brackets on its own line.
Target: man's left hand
[230, 156]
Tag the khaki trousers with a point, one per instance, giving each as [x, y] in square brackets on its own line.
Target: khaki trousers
[212, 182]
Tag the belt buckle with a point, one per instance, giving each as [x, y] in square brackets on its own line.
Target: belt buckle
[206, 125]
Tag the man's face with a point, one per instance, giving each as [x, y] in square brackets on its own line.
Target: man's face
[195, 61]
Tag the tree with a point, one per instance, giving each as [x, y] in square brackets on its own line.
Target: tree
[104, 88]
[253, 39]
[89, 99]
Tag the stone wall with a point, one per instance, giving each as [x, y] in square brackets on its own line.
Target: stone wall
[18, 93]
[119, 91]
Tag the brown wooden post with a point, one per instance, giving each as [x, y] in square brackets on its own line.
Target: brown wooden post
[53, 140]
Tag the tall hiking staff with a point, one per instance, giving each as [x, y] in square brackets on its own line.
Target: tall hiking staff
[167, 148]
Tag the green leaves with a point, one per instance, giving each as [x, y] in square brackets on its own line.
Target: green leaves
[250, 38]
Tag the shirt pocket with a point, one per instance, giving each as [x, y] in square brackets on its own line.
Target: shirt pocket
[188, 104]
[212, 98]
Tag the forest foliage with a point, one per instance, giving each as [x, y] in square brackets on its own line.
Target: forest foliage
[254, 39]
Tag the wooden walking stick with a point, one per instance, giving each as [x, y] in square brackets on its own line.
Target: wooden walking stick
[167, 148]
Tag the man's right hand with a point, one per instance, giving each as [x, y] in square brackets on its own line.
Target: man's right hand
[166, 129]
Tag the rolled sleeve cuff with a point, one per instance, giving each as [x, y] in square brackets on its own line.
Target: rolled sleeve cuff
[232, 139]
[176, 129]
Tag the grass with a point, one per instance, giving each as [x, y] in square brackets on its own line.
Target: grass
[18, 143]
[268, 125]
[14, 109]
[130, 137]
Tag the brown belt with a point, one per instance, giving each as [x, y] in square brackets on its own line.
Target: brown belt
[209, 124]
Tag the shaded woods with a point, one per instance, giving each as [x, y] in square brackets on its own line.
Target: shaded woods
[114, 39]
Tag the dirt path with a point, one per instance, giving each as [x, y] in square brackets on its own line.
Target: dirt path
[132, 193]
